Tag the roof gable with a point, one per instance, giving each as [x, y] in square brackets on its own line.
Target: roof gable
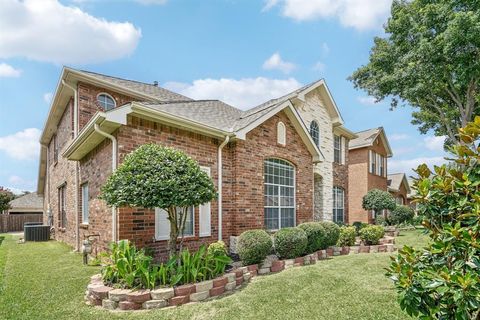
[395, 181]
[368, 137]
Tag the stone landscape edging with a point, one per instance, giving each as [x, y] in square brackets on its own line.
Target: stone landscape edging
[98, 294]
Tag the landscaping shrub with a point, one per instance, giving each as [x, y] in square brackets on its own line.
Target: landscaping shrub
[378, 200]
[129, 267]
[347, 236]
[254, 246]
[332, 232]
[417, 220]
[401, 214]
[359, 226]
[217, 248]
[316, 236]
[442, 280]
[372, 234]
[290, 242]
[381, 221]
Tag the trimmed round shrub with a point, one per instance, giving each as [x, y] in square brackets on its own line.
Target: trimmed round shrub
[347, 236]
[400, 215]
[254, 246]
[372, 234]
[217, 248]
[332, 232]
[316, 235]
[290, 243]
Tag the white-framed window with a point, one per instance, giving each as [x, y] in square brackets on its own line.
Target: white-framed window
[279, 194]
[162, 224]
[337, 149]
[106, 101]
[338, 204]
[62, 206]
[382, 166]
[85, 203]
[315, 132]
[205, 214]
[400, 200]
[281, 133]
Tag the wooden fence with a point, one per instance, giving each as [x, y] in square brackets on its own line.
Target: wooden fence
[14, 222]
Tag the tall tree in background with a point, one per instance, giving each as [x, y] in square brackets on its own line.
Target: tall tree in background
[430, 60]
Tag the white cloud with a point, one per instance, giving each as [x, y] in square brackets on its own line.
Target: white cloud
[243, 93]
[398, 136]
[275, 62]
[408, 165]
[435, 143]
[7, 70]
[47, 97]
[49, 31]
[319, 66]
[19, 184]
[269, 4]
[358, 14]
[367, 101]
[23, 145]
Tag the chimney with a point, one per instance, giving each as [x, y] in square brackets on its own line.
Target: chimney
[155, 83]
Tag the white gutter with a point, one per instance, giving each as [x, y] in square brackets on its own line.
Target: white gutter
[114, 167]
[220, 173]
[75, 132]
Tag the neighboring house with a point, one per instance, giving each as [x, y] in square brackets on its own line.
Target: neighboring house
[367, 170]
[262, 160]
[399, 188]
[30, 203]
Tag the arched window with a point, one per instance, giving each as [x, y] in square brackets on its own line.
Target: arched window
[106, 101]
[315, 132]
[338, 204]
[279, 194]
[281, 133]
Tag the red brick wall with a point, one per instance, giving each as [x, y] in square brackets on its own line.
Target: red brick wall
[249, 155]
[401, 193]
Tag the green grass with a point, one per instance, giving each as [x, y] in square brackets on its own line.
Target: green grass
[47, 281]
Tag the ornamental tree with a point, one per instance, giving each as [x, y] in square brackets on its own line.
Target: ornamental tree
[153, 176]
[5, 197]
[442, 281]
[428, 59]
[378, 200]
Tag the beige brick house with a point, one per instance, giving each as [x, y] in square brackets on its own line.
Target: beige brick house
[270, 167]
[367, 170]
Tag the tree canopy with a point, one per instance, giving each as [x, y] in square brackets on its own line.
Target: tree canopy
[153, 176]
[378, 200]
[5, 197]
[428, 59]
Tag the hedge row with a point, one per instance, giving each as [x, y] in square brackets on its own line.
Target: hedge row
[255, 245]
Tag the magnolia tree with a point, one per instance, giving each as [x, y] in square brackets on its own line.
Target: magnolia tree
[378, 200]
[159, 177]
[442, 281]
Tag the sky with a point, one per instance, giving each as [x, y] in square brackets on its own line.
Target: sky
[243, 52]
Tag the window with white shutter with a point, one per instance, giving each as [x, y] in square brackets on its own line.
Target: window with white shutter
[162, 224]
[205, 214]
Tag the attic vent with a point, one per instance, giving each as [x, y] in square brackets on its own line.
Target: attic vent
[155, 83]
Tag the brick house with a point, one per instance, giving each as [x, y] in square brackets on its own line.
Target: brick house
[367, 170]
[399, 188]
[263, 161]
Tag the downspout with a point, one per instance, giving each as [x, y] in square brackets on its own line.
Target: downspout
[220, 174]
[114, 167]
[75, 133]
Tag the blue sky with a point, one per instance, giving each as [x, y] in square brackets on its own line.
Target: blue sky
[243, 52]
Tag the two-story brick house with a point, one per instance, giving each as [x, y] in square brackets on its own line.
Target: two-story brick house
[263, 161]
[367, 170]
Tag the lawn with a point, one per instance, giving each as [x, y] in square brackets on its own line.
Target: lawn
[47, 281]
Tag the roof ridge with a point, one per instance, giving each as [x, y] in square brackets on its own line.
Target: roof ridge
[119, 78]
[376, 128]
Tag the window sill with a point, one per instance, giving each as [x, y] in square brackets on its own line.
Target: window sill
[185, 238]
[62, 229]
[84, 226]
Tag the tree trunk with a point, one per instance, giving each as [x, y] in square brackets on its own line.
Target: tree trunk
[172, 243]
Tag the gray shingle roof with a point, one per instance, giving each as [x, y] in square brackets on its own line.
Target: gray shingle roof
[365, 138]
[212, 113]
[395, 180]
[28, 201]
[155, 91]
